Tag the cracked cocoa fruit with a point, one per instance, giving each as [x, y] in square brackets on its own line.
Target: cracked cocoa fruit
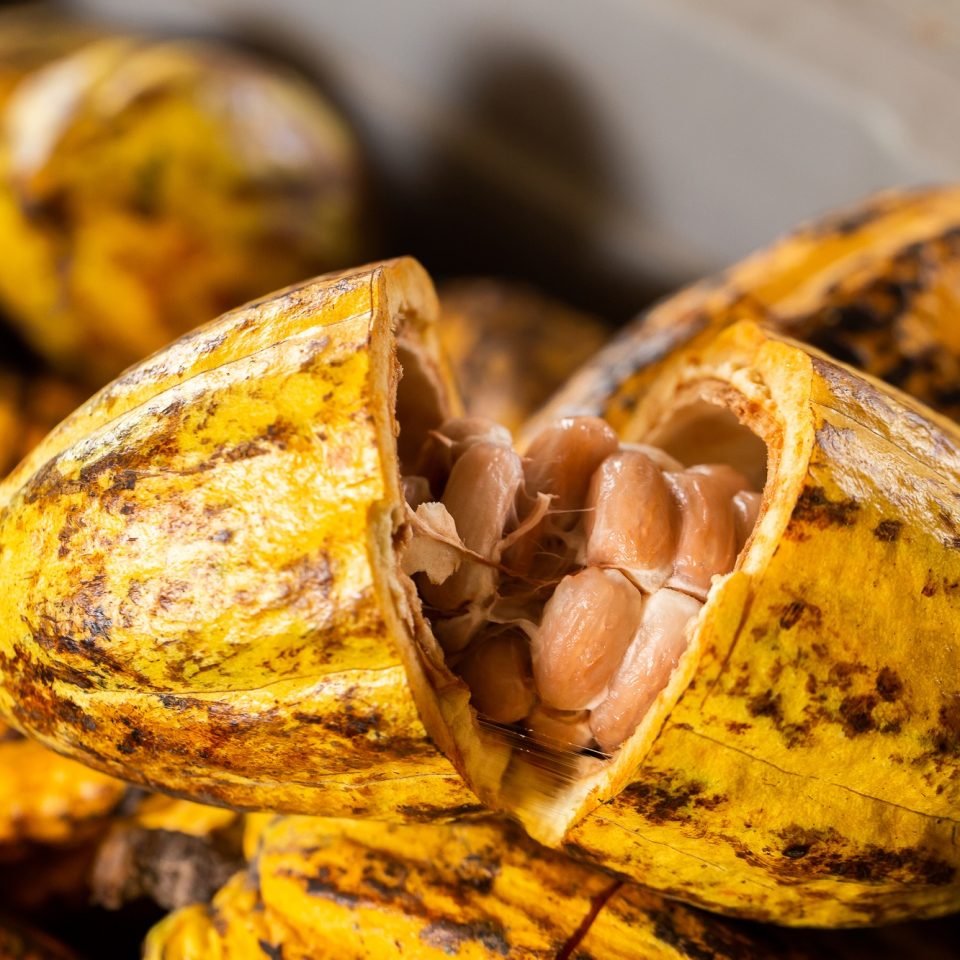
[208, 591]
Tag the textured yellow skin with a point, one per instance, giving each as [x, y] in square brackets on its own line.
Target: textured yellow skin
[874, 285]
[146, 187]
[362, 890]
[193, 553]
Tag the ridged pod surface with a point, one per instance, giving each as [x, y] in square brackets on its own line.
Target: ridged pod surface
[365, 890]
[147, 186]
[875, 285]
[196, 604]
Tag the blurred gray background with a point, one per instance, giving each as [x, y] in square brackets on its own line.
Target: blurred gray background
[610, 150]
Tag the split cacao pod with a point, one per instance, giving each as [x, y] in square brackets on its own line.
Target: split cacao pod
[207, 600]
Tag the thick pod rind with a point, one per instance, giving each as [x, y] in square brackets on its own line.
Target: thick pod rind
[196, 565]
[810, 771]
[363, 890]
[874, 285]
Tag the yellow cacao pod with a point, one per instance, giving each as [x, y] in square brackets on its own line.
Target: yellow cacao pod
[363, 890]
[147, 186]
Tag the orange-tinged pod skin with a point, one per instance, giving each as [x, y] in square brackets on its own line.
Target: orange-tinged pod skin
[874, 285]
[363, 890]
[199, 605]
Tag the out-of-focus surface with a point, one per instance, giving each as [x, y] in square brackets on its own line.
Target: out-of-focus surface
[512, 347]
[609, 150]
[146, 186]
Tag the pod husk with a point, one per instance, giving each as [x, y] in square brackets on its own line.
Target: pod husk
[808, 772]
[365, 890]
[146, 186]
[199, 605]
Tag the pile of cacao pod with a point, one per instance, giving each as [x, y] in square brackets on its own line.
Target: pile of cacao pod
[362, 621]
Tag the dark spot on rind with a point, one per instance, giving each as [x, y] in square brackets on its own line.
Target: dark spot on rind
[272, 950]
[889, 685]
[814, 507]
[810, 854]
[791, 614]
[320, 886]
[426, 813]
[888, 531]
[669, 801]
[766, 704]
[842, 673]
[857, 714]
[449, 936]
[946, 736]
[132, 742]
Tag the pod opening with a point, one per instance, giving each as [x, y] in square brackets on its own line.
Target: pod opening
[562, 586]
